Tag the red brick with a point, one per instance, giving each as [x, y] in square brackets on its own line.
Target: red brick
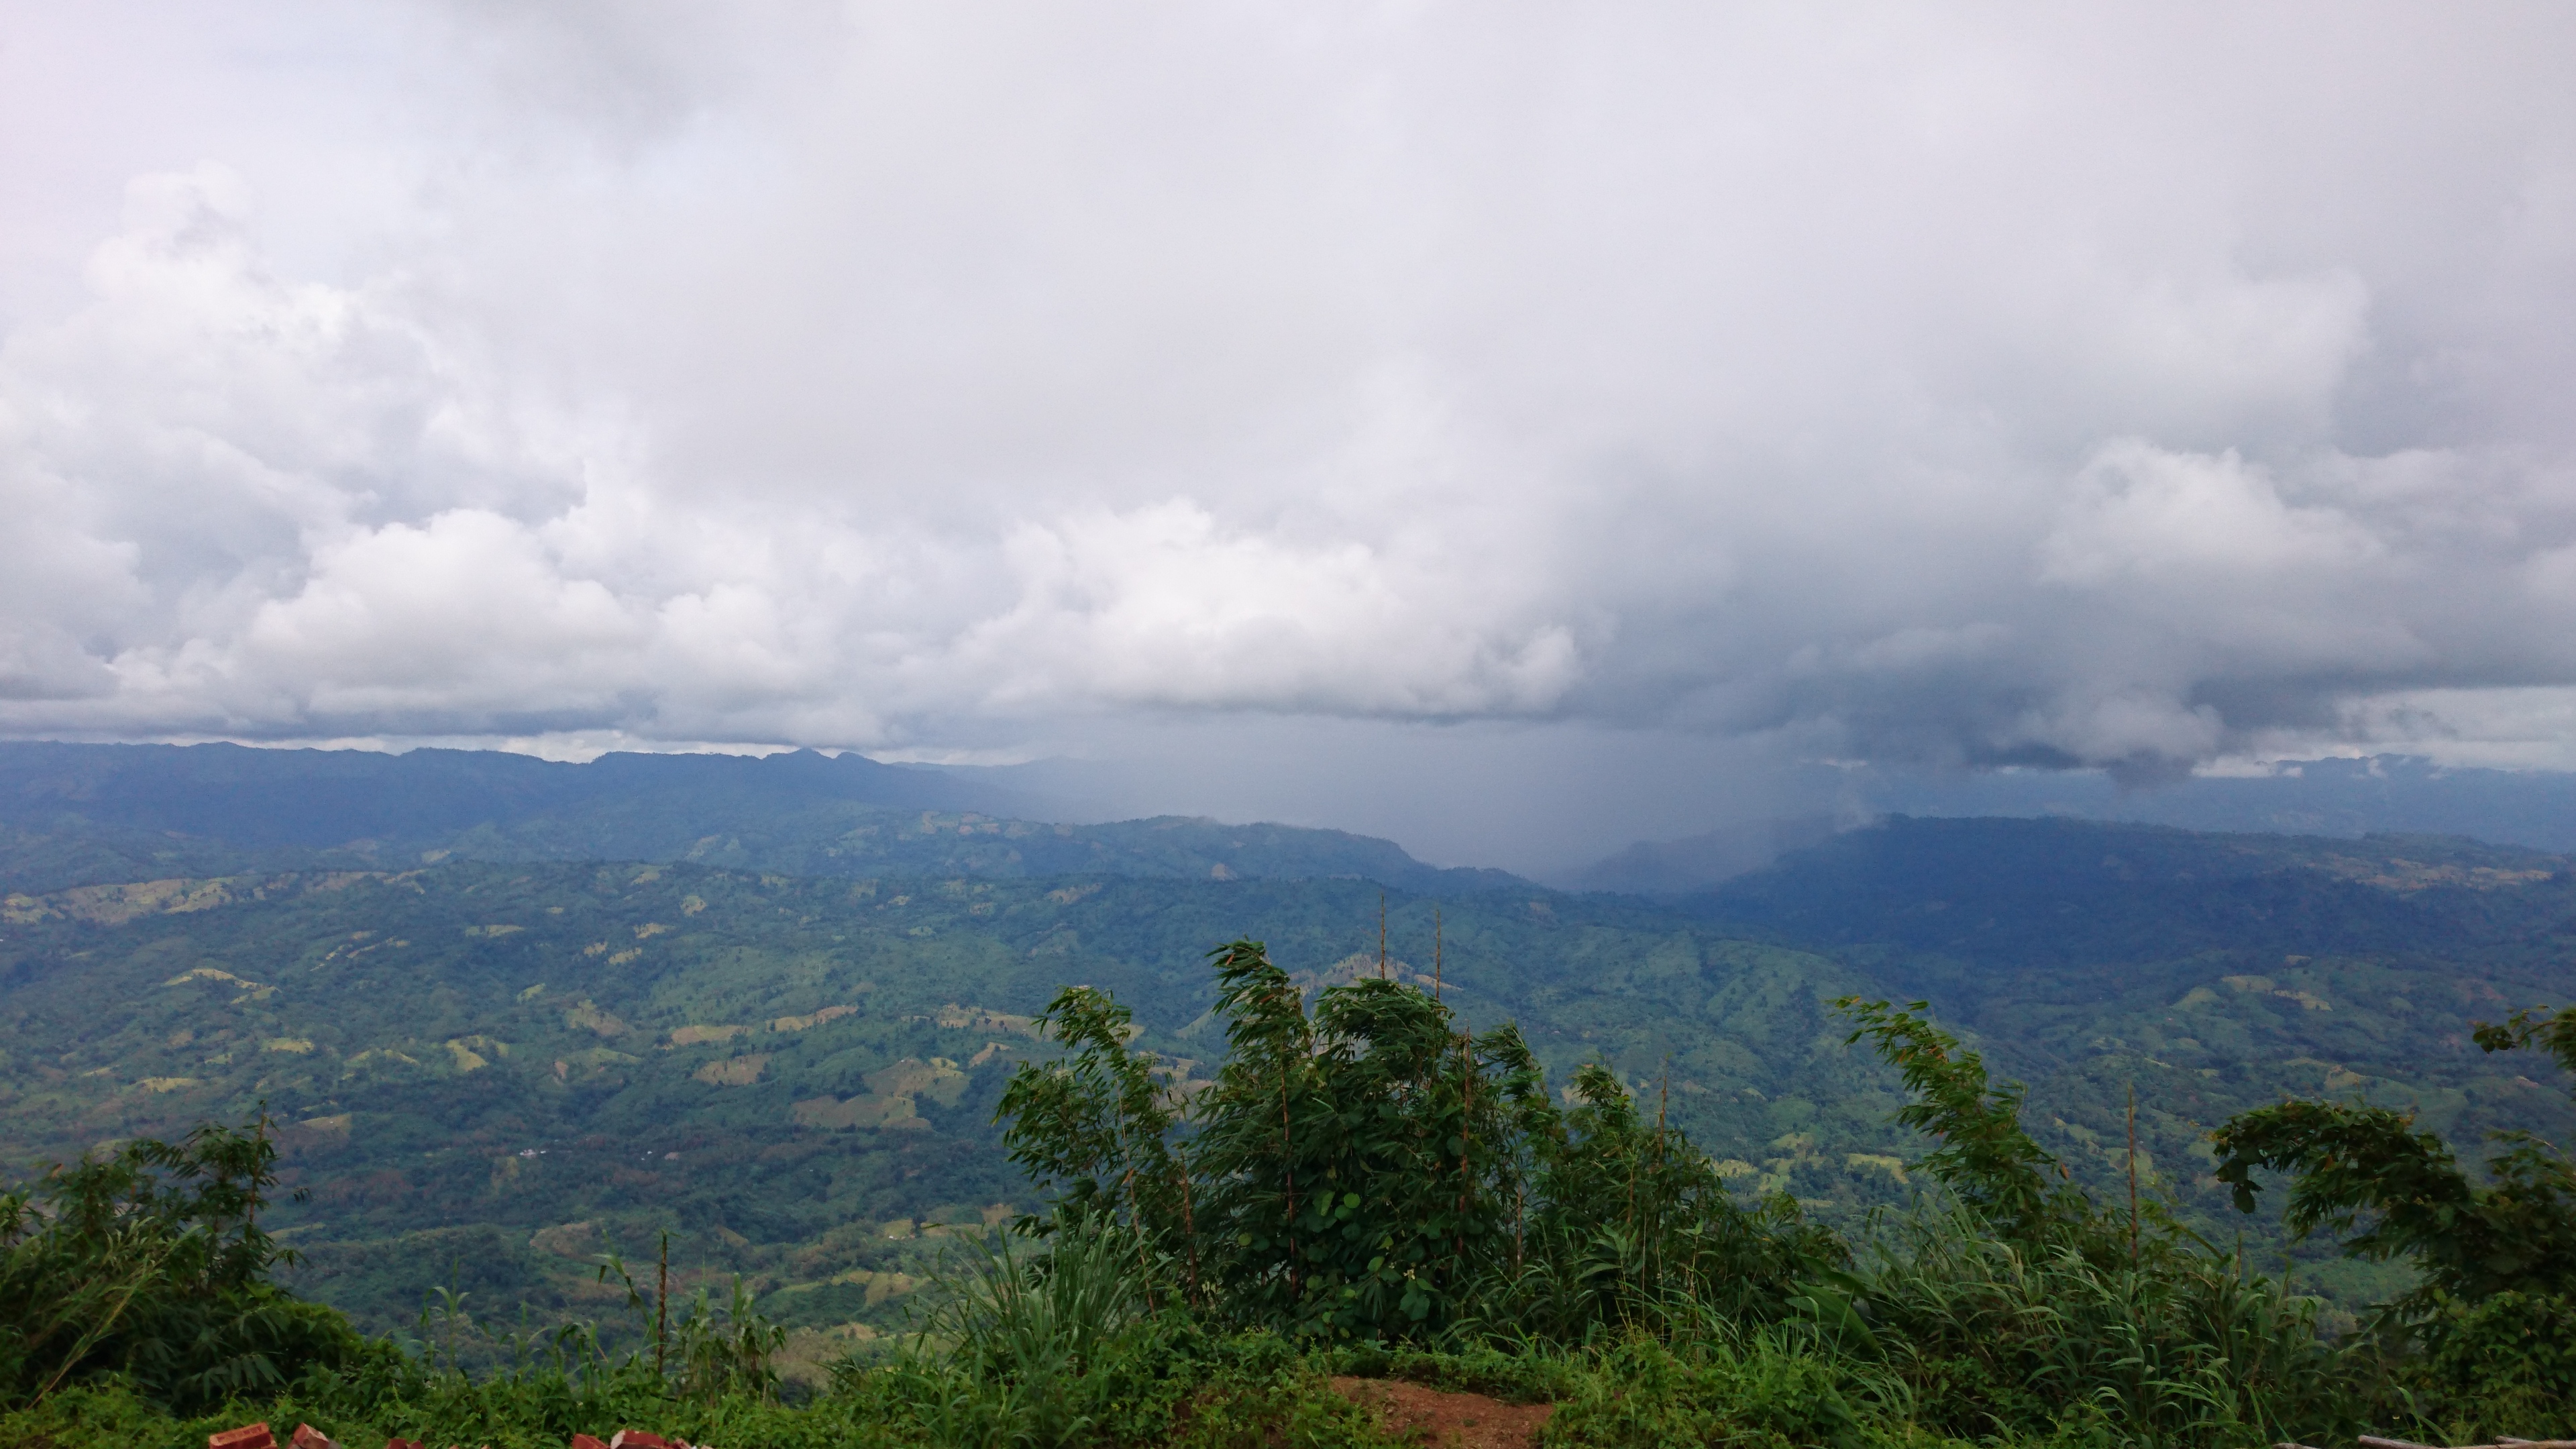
[584, 1441]
[308, 1437]
[248, 1436]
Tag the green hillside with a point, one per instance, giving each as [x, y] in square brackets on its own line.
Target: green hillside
[493, 1072]
[523, 1048]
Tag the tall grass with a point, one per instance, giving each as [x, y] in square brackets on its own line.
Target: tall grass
[1036, 1343]
[1024, 1340]
[2175, 1346]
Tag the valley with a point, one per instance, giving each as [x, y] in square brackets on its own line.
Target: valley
[485, 1073]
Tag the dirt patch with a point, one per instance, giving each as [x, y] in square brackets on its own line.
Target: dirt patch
[1447, 1420]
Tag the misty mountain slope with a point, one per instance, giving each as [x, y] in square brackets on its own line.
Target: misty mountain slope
[2383, 794]
[2062, 943]
[1699, 862]
[2346, 799]
[87, 814]
[2073, 894]
[324, 798]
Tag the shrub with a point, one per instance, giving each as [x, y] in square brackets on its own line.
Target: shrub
[2497, 1366]
[149, 1265]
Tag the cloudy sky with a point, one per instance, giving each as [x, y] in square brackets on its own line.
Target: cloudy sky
[1472, 415]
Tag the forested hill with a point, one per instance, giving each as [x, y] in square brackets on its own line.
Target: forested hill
[501, 1069]
[490, 1065]
[74, 814]
[2070, 893]
[2059, 940]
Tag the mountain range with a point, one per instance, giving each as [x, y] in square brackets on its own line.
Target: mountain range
[82, 814]
[507, 1015]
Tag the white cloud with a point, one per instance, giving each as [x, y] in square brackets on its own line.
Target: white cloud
[2138, 386]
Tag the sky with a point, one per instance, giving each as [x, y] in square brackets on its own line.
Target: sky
[1458, 421]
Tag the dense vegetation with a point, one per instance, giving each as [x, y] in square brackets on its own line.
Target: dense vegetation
[1367, 1186]
[1608, 1139]
[485, 1074]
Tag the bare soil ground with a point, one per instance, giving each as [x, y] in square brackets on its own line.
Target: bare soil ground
[1446, 1420]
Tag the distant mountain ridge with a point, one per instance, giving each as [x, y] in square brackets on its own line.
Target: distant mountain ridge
[2348, 798]
[76, 814]
[2063, 894]
[2376, 795]
[317, 798]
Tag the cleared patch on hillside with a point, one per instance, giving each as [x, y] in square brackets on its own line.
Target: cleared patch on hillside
[812, 1020]
[114, 905]
[733, 1071]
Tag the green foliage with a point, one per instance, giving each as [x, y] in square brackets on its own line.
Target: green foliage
[1691, 1321]
[2490, 1335]
[1365, 1170]
[1631, 1225]
[1986, 1160]
[2026, 1307]
[414, 1158]
[1099, 1121]
[2348, 1162]
[2470, 1241]
[710, 1353]
[2022, 1310]
[1014, 1380]
[1574, 1224]
[149, 1264]
[2533, 1026]
[1049, 1345]
[2503, 1365]
[1369, 1171]
[1993, 1335]
[1355, 1168]
[1757, 1392]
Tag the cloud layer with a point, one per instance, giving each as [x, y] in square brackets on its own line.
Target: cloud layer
[2127, 388]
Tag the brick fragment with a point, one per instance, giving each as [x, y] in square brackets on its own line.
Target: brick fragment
[308, 1437]
[248, 1436]
[585, 1441]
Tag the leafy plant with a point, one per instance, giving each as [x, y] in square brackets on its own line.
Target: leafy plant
[1356, 1166]
[1042, 1341]
[1366, 1186]
[1098, 1122]
[709, 1353]
[1632, 1226]
[1368, 1170]
[150, 1264]
[2490, 1327]
[1988, 1162]
[2348, 1162]
[2025, 1307]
